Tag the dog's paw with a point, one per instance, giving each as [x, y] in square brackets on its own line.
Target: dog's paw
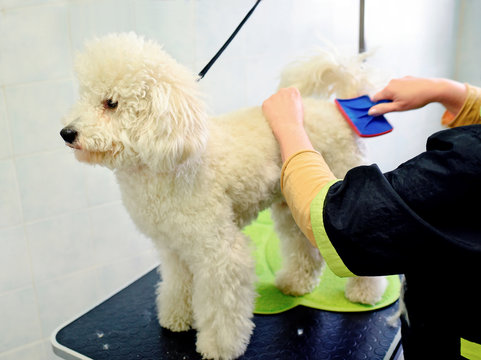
[289, 284]
[226, 339]
[219, 347]
[175, 322]
[365, 290]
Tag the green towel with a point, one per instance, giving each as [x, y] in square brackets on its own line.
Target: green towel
[329, 295]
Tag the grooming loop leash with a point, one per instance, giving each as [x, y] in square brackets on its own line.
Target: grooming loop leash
[221, 50]
[362, 41]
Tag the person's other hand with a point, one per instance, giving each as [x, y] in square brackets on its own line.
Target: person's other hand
[284, 111]
[407, 93]
[410, 93]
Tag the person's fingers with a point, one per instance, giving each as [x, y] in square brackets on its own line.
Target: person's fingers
[384, 94]
[383, 108]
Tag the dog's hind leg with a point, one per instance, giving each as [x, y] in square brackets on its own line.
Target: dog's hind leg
[365, 289]
[302, 264]
[174, 293]
[224, 295]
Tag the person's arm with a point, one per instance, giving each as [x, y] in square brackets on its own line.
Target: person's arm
[411, 219]
[462, 101]
[372, 223]
[410, 93]
[304, 172]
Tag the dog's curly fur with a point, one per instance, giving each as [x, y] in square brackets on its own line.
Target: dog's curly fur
[191, 182]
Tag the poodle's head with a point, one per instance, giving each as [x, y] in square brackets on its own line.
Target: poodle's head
[137, 106]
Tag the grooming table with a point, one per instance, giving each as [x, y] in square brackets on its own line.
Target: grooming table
[125, 327]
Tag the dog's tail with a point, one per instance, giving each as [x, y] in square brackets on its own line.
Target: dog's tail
[328, 73]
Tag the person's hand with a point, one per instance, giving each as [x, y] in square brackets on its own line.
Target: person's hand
[407, 93]
[284, 111]
[410, 93]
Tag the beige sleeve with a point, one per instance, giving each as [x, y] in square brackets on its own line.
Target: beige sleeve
[303, 175]
[469, 113]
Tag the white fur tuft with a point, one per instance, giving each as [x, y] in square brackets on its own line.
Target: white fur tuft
[328, 73]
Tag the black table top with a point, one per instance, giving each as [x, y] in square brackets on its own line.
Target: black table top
[125, 327]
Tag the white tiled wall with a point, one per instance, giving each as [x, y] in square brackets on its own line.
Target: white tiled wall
[65, 240]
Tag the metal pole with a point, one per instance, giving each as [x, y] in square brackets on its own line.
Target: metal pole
[362, 42]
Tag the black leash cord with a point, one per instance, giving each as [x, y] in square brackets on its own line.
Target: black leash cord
[221, 50]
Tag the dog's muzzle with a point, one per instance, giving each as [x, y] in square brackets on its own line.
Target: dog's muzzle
[69, 134]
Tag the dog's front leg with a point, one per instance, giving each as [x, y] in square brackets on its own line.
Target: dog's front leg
[174, 293]
[223, 298]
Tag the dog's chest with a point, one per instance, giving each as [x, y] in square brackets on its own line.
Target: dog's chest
[151, 203]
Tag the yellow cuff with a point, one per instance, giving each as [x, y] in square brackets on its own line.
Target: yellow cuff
[470, 350]
[325, 246]
[470, 112]
[303, 175]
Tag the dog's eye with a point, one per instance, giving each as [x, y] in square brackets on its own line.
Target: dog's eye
[110, 104]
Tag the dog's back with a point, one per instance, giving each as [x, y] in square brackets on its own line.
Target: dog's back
[245, 154]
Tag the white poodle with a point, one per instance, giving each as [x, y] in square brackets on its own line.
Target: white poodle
[191, 183]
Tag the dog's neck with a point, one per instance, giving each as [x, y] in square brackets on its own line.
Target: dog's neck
[184, 175]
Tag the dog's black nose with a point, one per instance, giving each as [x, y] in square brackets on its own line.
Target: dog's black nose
[69, 134]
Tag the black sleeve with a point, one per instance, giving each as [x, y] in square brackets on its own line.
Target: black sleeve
[414, 217]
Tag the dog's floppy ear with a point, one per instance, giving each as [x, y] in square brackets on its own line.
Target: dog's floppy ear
[174, 128]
